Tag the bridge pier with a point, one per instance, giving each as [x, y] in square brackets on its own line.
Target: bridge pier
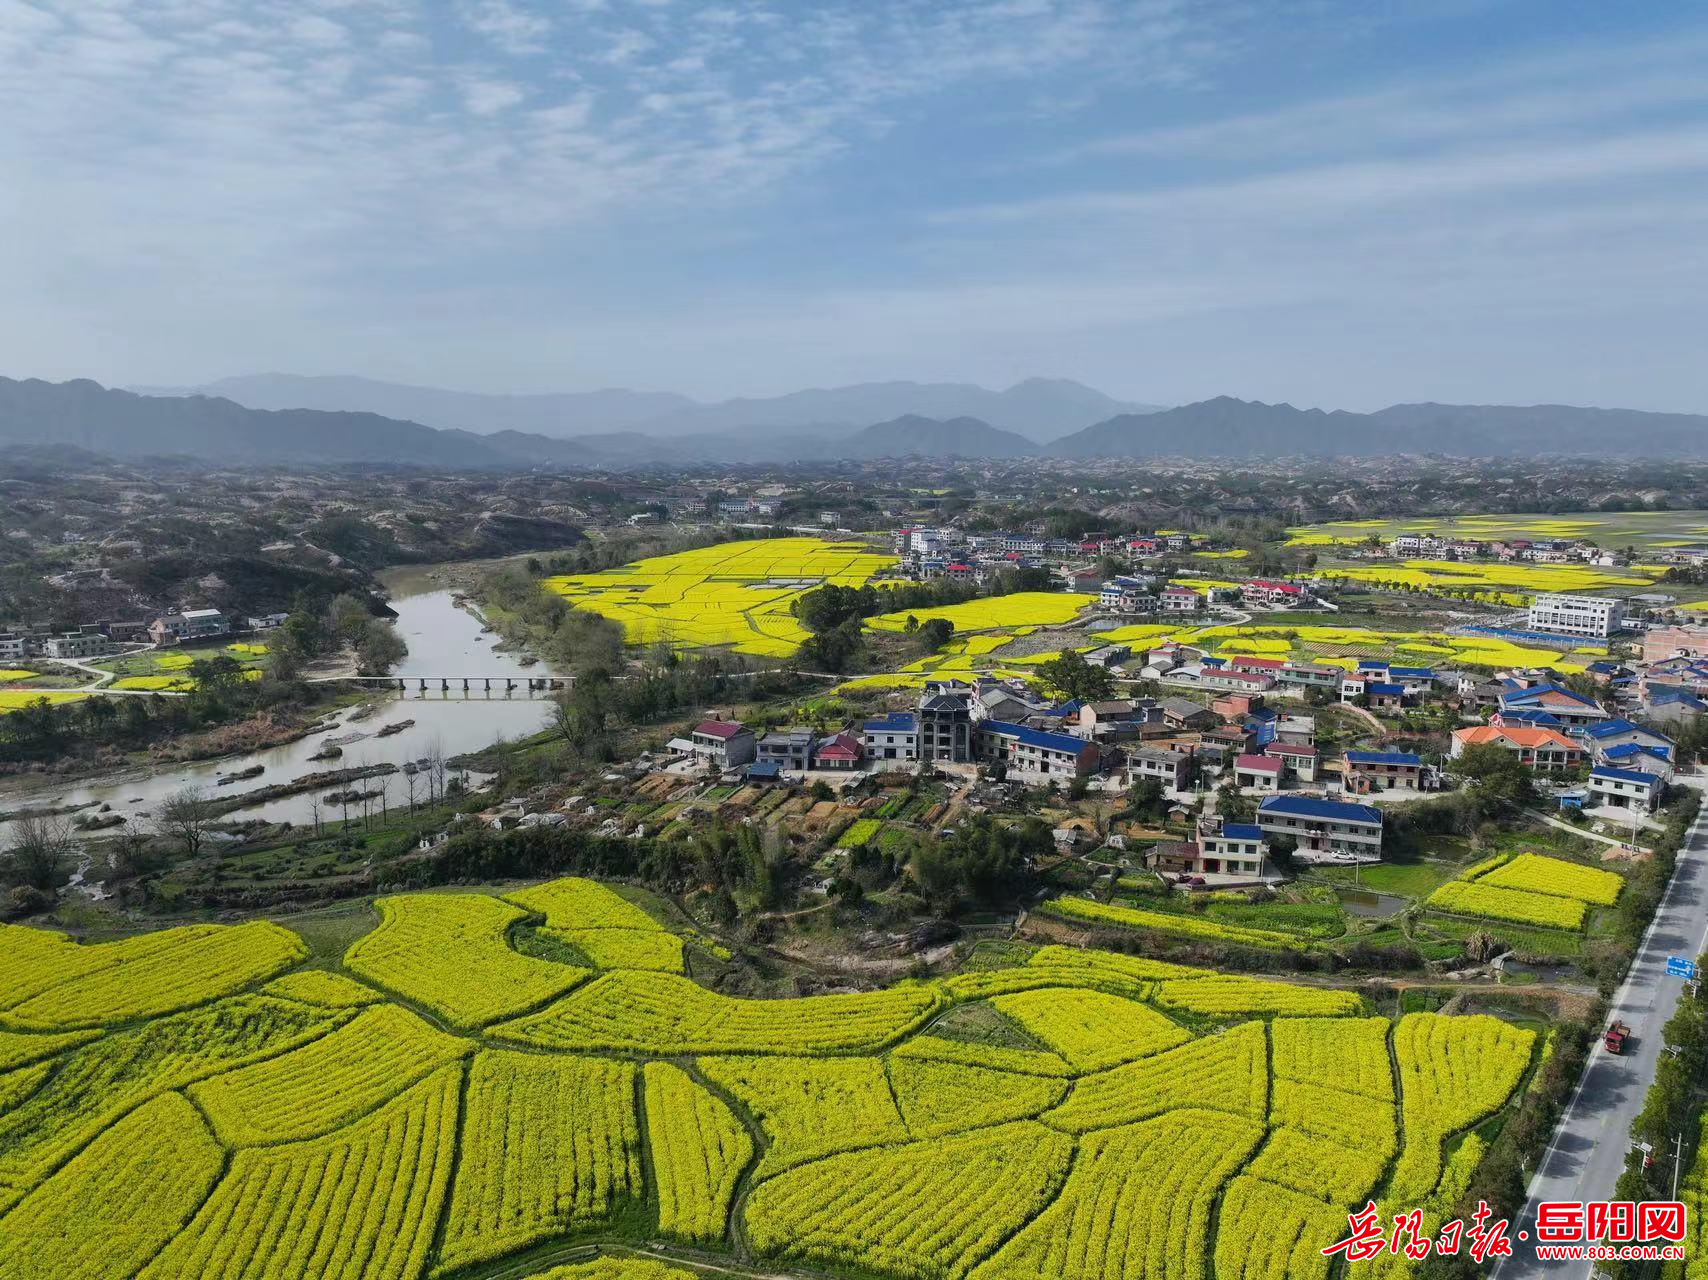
[444, 686]
[509, 685]
[423, 684]
[489, 684]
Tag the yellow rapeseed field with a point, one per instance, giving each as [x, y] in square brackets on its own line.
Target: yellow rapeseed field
[194, 1102]
[735, 593]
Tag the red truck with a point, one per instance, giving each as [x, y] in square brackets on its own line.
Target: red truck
[1617, 1035]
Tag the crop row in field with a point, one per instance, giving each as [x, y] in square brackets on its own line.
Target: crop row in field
[314, 1128]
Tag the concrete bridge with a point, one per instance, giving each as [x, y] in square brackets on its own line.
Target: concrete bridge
[460, 686]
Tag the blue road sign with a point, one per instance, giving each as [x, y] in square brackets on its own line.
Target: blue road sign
[1679, 967]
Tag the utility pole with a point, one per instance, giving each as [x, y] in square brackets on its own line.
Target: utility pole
[1677, 1160]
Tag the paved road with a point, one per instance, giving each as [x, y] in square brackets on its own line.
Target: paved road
[1588, 1152]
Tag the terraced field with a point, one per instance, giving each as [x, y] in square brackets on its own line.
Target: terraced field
[194, 1103]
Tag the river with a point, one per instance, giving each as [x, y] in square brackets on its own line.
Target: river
[444, 641]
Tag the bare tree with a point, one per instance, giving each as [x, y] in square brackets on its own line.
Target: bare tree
[409, 783]
[185, 816]
[314, 810]
[40, 846]
[385, 798]
[436, 769]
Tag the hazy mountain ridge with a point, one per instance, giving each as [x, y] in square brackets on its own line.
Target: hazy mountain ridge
[85, 415]
[1037, 408]
[1225, 427]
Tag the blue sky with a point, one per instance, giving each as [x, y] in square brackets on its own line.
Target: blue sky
[1344, 205]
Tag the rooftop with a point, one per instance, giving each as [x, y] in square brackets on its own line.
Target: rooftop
[1404, 758]
[1313, 807]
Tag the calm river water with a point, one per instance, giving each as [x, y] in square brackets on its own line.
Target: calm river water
[444, 641]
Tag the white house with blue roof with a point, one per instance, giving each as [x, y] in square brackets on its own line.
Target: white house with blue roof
[891, 737]
[1036, 751]
[1627, 745]
[1625, 788]
[1326, 830]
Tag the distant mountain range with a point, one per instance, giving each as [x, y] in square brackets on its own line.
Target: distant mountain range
[1225, 427]
[1040, 409]
[126, 424]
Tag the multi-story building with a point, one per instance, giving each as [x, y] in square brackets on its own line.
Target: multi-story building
[892, 737]
[1270, 592]
[1128, 595]
[17, 645]
[1540, 748]
[1326, 830]
[946, 726]
[1168, 767]
[788, 749]
[76, 645]
[1625, 788]
[1036, 751]
[189, 624]
[1180, 600]
[1383, 771]
[1231, 848]
[1595, 616]
[725, 743]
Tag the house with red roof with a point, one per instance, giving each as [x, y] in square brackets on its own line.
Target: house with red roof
[1262, 773]
[839, 751]
[1547, 750]
[1269, 591]
[725, 743]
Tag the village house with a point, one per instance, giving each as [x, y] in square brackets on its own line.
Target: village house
[1296, 731]
[1231, 848]
[1239, 681]
[1267, 591]
[788, 749]
[892, 737]
[1114, 720]
[1383, 696]
[1183, 713]
[1306, 675]
[841, 751]
[1260, 773]
[1547, 750]
[1036, 751]
[76, 645]
[1367, 771]
[1171, 768]
[723, 743]
[1236, 706]
[1568, 708]
[1301, 760]
[1128, 594]
[189, 624]
[1173, 599]
[946, 723]
[1326, 830]
[1109, 655]
[1625, 788]
[1663, 643]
